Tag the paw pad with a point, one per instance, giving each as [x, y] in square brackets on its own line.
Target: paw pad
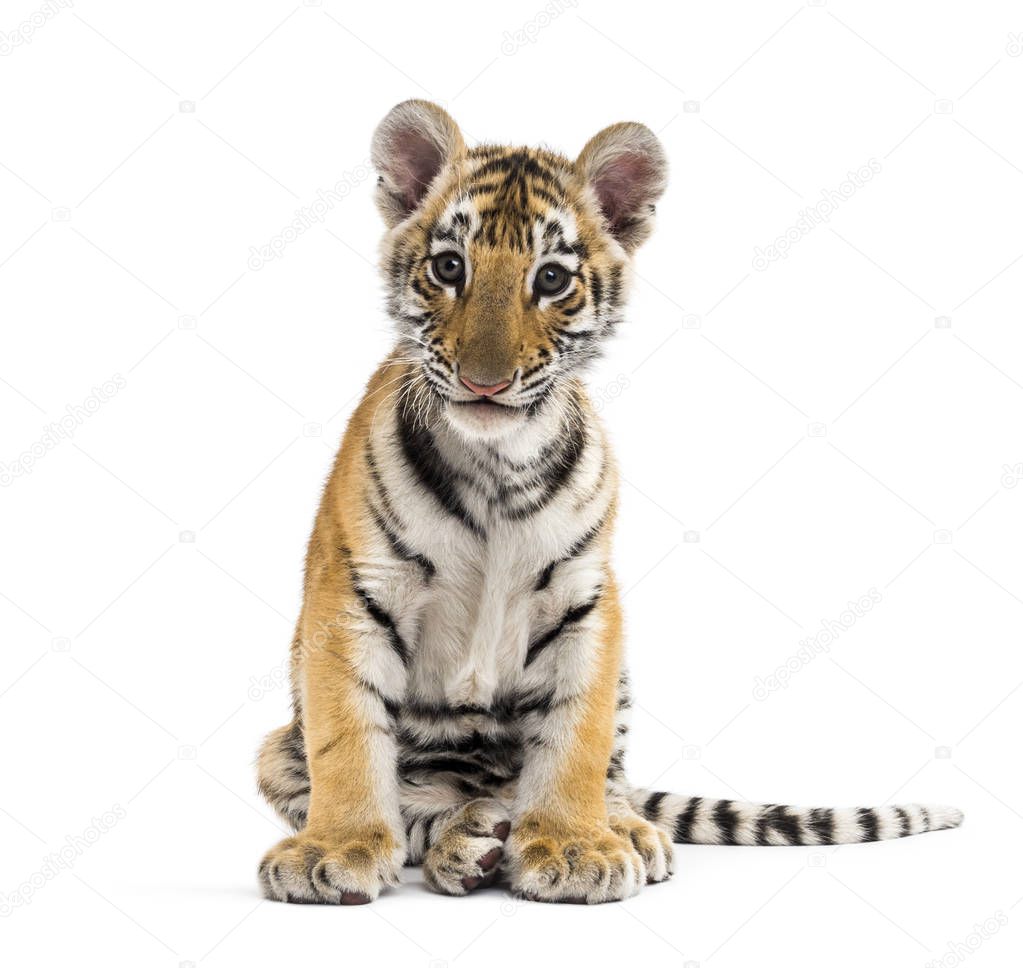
[466, 856]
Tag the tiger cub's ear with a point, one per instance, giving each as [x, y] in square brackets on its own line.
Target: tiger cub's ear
[410, 147]
[626, 167]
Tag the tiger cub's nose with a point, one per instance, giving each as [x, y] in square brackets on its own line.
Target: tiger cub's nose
[485, 391]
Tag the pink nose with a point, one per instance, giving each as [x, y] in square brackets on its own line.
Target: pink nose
[482, 391]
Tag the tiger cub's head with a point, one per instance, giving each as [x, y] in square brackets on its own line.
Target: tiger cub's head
[506, 267]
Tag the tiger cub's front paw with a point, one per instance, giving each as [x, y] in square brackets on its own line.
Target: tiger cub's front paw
[315, 870]
[585, 865]
[652, 843]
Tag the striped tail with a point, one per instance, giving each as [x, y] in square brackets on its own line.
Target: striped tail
[695, 820]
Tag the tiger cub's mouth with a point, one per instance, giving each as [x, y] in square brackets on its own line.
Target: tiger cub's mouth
[485, 417]
[486, 402]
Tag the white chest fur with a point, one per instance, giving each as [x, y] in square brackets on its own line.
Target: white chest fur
[470, 625]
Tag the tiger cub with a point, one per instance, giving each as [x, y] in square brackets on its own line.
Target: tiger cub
[460, 699]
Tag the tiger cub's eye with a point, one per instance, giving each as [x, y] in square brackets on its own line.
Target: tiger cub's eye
[449, 267]
[551, 279]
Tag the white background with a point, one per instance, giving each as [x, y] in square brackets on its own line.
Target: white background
[847, 419]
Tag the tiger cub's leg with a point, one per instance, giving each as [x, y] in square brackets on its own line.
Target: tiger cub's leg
[283, 774]
[467, 846]
[353, 842]
[564, 844]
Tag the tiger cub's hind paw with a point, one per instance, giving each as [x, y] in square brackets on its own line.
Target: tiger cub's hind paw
[467, 852]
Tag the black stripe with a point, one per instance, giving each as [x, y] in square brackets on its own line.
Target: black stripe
[653, 805]
[904, 822]
[375, 612]
[439, 712]
[502, 711]
[596, 288]
[294, 741]
[515, 165]
[571, 311]
[573, 616]
[868, 824]
[433, 472]
[470, 789]
[727, 819]
[417, 287]
[439, 377]
[554, 232]
[616, 285]
[541, 193]
[275, 794]
[543, 703]
[391, 706]
[684, 823]
[483, 188]
[327, 747]
[384, 620]
[474, 742]
[443, 764]
[540, 393]
[428, 830]
[544, 578]
[439, 358]
[400, 549]
[927, 818]
[560, 469]
[778, 818]
[443, 234]
[572, 335]
[821, 821]
[378, 481]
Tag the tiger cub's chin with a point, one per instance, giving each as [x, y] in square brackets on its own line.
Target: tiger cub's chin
[484, 421]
